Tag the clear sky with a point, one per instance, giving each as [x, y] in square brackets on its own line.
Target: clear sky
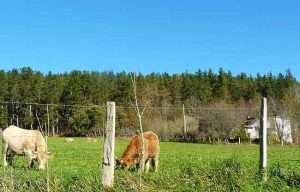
[151, 36]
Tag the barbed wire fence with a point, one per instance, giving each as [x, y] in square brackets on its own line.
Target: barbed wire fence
[202, 124]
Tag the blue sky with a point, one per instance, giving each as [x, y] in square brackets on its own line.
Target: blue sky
[151, 36]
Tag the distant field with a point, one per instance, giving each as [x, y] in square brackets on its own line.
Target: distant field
[183, 167]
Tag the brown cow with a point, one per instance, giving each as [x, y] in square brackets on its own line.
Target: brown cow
[131, 155]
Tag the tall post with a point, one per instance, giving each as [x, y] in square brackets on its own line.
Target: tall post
[296, 132]
[47, 134]
[108, 162]
[38, 120]
[263, 139]
[48, 120]
[30, 114]
[184, 122]
[17, 115]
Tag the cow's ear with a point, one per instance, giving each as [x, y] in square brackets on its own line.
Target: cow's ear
[117, 161]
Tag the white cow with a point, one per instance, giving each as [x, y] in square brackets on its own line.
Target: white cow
[69, 140]
[30, 143]
[276, 125]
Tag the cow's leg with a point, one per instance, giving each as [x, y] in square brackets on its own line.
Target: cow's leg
[10, 157]
[29, 157]
[152, 163]
[147, 165]
[155, 163]
[142, 164]
[30, 162]
[4, 153]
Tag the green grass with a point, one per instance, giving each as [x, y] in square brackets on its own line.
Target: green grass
[183, 167]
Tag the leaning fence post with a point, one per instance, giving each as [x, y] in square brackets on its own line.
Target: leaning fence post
[47, 135]
[108, 162]
[263, 139]
[184, 123]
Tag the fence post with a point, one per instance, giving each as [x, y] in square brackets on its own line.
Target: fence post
[47, 135]
[48, 120]
[30, 114]
[108, 162]
[184, 123]
[263, 139]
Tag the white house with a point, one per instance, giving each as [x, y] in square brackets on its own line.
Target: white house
[276, 125]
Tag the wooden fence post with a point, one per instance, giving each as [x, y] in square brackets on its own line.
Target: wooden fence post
[108, 162]
[30, 114]
[48, 120]
[47, 135]
[184, 123]
[263, 139]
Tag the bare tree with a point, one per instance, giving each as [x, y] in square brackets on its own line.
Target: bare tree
[140, 113]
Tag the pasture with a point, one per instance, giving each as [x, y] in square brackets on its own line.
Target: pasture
[76, 167]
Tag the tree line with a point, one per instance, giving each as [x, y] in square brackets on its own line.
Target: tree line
[81, 96]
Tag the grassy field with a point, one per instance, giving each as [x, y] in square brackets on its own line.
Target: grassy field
[183, 167]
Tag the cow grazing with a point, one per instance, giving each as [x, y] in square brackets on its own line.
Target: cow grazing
[89, 139]
[92, 140]
[69, 140]
[31, 143]
[132, 154]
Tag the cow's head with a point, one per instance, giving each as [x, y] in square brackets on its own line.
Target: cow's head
[42, 158]
[125, 163]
